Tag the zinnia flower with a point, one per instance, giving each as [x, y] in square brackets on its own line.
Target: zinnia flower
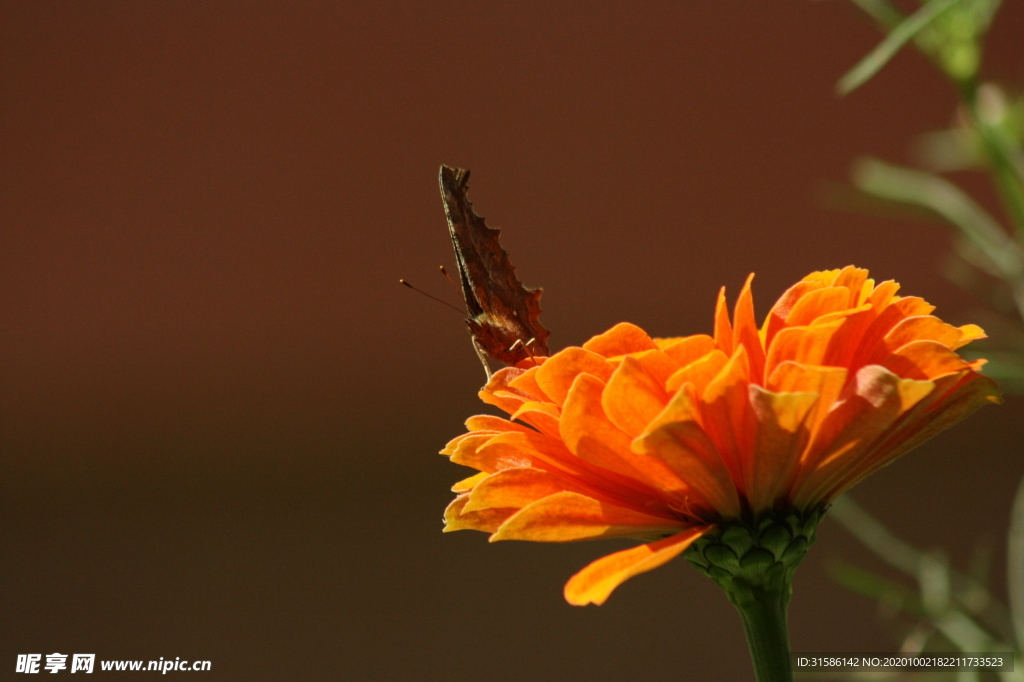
[731, 445]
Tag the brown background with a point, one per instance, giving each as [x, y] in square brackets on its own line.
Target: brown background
[219, 412]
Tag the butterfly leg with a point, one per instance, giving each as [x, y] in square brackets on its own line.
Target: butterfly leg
[480, 353]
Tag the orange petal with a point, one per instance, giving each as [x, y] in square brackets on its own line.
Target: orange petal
[632, 397]
[746, 332]
[474, 439]
[910, 306]
[826, 277]
[488, 520]
[657, 364]
[677, 439]
[793, 377]
[779, 314]
[881, 296]
[555, 376]
[541, 416]
[826, 382]
[497, 392]
[865, 291]
[932, 328]
[569, 516]
[726, 415]
[587, 431]
[816, 304]
[590, 435]
[532, 449]
[514, 488]
[686, 350]
[854, 280]
[489, 452]
[876, 399]
[621, 339]
[723, 329]
[955, 397]
[782, 434]
[467, 484]
[527, 383]
[488, 422]
[595, 583]
[663, 343]
[699, 372]
[924, 360]
[806, 345]
[846, 340]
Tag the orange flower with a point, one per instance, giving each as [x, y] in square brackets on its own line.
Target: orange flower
[666, 440]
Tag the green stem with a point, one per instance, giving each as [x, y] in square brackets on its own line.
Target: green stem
[764, 621]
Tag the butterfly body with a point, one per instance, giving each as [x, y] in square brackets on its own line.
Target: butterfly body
[502, 313]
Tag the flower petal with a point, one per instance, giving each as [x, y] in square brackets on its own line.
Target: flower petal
[700, 372]
[854, 279]
[632, 398]
[826, 382]
[727, 418]
[924, 360]
[677, 439]
[881, 296]
[723, 328]
[569, 516]
[516, 450]
[595, 583]
[908, 306]
[876, 399]
[541, 416]
[657, 364]
[621, 339]
[806, 345]
[487, 520]
[488, 422]
[555, 376]
[467, 484]
[931, 327]
[782, 435]
[526, 383]
[590, 435]
[954, 398]
[686, 350]
[779, 314]
[462, 448]
[515, 488]
[817, 304]
[499, 393]
[746, 333]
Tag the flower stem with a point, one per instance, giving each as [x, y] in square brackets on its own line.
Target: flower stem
[764, 621]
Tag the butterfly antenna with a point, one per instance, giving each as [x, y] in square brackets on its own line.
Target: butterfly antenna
[420, 291]
[451, 281]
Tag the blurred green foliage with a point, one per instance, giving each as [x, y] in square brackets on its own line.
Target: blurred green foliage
[986, 136]
[939, 607]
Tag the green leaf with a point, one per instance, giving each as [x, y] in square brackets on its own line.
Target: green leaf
[876, 536]
[882, 11]
[892, 43]
[877, 587]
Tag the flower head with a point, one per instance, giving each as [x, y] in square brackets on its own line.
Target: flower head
[668, 440]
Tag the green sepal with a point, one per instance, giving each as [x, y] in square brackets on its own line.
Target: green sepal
[759, 557]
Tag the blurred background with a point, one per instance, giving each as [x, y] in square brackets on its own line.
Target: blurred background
[219, 411]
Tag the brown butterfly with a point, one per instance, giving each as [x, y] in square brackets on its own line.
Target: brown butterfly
[502, 313]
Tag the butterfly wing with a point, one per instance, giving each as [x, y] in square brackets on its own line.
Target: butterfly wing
[502, 311]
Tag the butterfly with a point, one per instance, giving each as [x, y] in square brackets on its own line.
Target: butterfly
[503, 314]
